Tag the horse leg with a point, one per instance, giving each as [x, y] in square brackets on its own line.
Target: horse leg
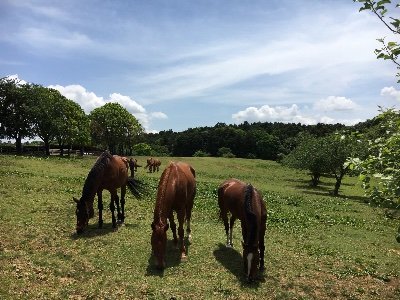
[181, 232]
[121, 216]
[232, 222]
[100, 207]
[173, 228]
[261, 242]
[188, 229]
[112, 208]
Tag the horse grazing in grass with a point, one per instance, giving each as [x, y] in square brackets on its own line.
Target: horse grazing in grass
[245, 203]
[110, 173]
[133, 165]
[153, 164]
[176, 191]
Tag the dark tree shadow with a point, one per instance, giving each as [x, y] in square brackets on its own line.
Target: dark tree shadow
[232, 260]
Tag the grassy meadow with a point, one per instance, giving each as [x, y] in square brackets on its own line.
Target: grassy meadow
[317, 246]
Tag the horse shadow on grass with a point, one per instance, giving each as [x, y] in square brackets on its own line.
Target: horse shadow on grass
[232, 260]
[172, 259]
[93, 230]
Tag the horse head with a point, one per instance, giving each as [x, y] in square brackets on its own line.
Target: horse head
[82, 215]
[251, 260]
[159, 242]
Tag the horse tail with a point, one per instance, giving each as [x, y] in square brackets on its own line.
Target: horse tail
[136, 187]
[250, 215]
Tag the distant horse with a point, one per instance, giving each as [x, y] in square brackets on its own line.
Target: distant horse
[110, 173]
[176, 191]
[133, 165]
[245, 203]
[153, 164]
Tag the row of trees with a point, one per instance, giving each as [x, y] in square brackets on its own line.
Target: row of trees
[30, 110]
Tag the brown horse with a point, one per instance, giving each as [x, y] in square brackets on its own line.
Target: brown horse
[153, 164]
[110, 173]
[176, 191]
[245, 203]
[133, 165]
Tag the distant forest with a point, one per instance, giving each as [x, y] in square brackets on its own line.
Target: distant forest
[263, 140]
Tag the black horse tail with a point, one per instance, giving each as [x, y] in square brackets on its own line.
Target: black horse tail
[250, 215]
[136, 187]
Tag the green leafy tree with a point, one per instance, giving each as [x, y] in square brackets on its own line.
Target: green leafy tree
[389, 50]
[142, 149]
[15, 111]
[72, 124]
[113, 126]
[311, 155]
[46, 114]
[380, 171]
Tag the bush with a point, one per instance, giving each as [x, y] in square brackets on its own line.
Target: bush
[201, 153]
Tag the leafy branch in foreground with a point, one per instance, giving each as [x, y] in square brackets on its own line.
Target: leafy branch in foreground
[390, 50]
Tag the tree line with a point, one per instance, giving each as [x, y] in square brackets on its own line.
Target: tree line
[30, 110]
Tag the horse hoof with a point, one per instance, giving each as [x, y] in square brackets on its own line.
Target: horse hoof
[229, 245]
[183, 257]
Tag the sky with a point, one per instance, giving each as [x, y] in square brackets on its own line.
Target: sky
[179, 64]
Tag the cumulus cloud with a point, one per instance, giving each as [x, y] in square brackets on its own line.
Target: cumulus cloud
[89, 101]
[15, 77]
[294, 114]
[334, 103]
[268, 113]
[391, 92]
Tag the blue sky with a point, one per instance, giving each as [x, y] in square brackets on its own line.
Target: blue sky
[176, 64]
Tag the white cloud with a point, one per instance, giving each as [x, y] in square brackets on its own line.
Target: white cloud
[268, 113]
[293, 114]
[333, 103]
[89, 101]
[391, 92]
[15, 77]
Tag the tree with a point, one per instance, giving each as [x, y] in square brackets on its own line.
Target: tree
[113, 126]
[46, 114]
[323, 155]
[389, 50]
[142, 149]
[15, 111]
[380, 171]
[71, 124]
[309, 155]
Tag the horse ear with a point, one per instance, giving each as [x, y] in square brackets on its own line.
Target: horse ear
[76, 200]
[166, 227]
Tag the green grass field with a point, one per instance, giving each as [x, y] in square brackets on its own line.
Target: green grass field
[317, 246]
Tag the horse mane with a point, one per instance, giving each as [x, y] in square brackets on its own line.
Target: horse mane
[250, 215]
[162, 187]
[95, 174]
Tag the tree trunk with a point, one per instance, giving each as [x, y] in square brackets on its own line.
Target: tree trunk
[18, 144]
[46, 147]
[338, 182]
[315, 179]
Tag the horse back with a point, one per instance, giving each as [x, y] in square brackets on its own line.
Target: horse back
[115, 173]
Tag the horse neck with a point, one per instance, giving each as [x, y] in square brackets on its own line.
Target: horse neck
[251, 217]
[163, 208]
[93, 180]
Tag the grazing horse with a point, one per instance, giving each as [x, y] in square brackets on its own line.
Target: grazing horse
[110, 173]
[133, 165]
[176, 191]
[153, 164]
[245, 203]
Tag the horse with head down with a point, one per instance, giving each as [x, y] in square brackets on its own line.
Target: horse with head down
[153, 164]
[133, 165]
[176, 191]
[108, 173]
[245, 203]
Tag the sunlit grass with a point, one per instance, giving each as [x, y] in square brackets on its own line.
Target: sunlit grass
[318, 246]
